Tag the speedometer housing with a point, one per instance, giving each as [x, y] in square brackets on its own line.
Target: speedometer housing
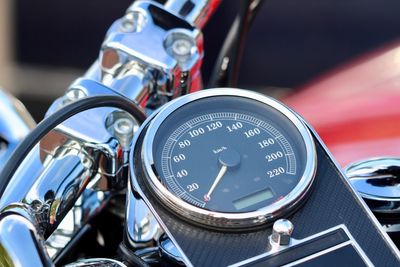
[226, 158]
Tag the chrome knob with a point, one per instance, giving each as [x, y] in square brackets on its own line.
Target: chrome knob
[378, 182]
[281, 232]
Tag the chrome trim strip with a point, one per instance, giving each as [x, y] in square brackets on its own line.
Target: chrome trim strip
[357, 246]
[300, 241]
[316, 255]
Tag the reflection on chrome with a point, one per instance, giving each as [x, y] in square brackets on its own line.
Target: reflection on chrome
[377, 180]
[69, 177]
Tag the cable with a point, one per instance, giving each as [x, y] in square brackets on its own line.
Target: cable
[238, 48]
[218, 74]
[55, 119]
[130, 258]
[227, 66]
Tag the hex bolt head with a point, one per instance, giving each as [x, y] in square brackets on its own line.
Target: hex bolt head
[181, 47]
[123, 130]
[281, 232]
[133, 21]
[72, 95]
[123, 126]
[75, 94]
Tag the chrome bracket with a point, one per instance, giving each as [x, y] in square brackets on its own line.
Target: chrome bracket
[151, 52]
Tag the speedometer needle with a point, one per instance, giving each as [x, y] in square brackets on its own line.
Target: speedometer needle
[221, 173]
[227, 158]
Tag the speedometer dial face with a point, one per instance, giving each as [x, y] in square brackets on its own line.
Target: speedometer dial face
[229, 156]
[228, 161]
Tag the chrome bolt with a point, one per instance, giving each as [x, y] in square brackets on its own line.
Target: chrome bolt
[181, 47]
[281, 233]
[72, 95]
[75, 94]
[123, 130]
[123, 126]
[133, 22]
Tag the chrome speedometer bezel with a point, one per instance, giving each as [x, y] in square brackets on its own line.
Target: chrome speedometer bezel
[221, 219]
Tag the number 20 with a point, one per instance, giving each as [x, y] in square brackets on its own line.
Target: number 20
[192, 187]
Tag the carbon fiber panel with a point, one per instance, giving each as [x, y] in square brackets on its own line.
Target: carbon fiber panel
[331, 202]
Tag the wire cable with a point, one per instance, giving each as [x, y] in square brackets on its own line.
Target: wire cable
[227, 66]
[55, 119]
[238, 47]
[130, 258]
[218, 74]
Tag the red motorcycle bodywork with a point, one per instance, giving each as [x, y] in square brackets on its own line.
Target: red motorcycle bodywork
[356, 109]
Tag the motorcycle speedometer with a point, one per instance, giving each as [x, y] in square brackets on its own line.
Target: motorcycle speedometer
[226, 158]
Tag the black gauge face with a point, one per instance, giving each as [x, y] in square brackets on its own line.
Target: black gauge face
[229, 154]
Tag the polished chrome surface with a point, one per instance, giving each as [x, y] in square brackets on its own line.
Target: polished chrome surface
[96, 262]
[123, 129]
[95, 132]
[15, 124]
[141, 226]
[23, 179]
[135, 61]
[169, 252]
[219, 219]
[20, 243]
[377, 180]
[133, 21]
[88, 205]
[58, 187]
[135, 191]
[282, 231]
[80, 153]
[136, 67]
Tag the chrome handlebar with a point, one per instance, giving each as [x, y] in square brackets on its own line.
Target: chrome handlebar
[151, 55]
[15, 228]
